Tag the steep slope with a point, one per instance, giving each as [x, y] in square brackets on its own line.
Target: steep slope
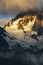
[17, 35]
[3, 43]
[24, 22]
[20, 51]
[17, 50]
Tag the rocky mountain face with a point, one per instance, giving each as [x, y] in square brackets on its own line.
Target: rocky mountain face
[3, 42]
[26, 16]
[21, 21]
[14, 49]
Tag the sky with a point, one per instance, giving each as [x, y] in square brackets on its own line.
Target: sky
[9, 8]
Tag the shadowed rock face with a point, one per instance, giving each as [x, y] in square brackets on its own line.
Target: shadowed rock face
[40, 31]
[40, 17]
[23, 56]
[2, 31]
[31, 12]
[3, 42]
[19, 55]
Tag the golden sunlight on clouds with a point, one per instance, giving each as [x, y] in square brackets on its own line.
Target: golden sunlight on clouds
[14, 6]
[22, 4]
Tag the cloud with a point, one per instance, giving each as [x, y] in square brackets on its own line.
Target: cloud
[16, 6]
[4, 21]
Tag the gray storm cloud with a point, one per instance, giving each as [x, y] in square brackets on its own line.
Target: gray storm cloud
[16, 6]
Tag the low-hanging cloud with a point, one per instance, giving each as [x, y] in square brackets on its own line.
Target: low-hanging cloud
[16, 6]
